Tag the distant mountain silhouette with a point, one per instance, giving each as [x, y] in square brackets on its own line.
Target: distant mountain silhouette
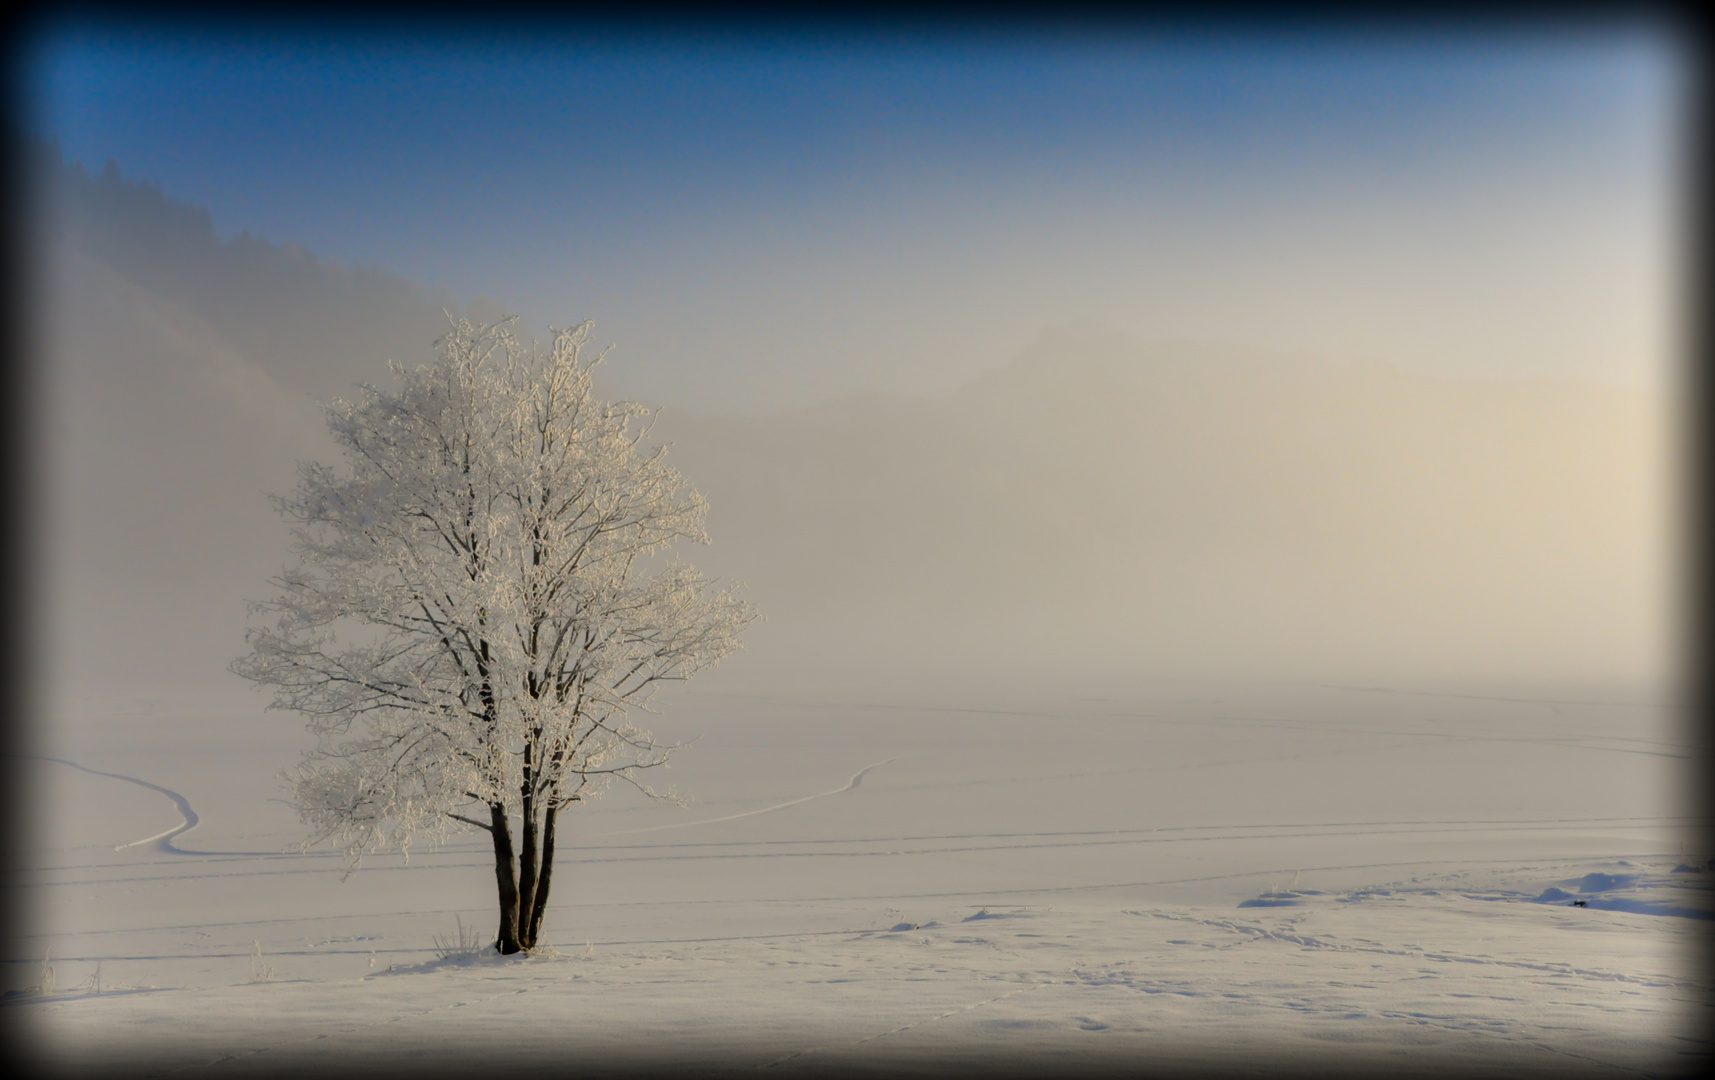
[1105, 503]
[180, 373]
[313, 325]
[1099, 505]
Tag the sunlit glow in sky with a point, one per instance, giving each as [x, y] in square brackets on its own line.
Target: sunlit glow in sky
[762, 219]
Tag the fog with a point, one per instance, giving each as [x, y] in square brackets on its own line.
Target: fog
[1202, 491]
[1095, 505]
[1102, 505]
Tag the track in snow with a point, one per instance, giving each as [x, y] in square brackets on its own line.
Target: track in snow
[850, 784]
[163, 841]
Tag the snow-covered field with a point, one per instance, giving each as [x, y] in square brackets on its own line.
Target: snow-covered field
[1169, 875]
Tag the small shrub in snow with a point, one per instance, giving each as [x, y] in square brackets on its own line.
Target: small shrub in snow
[466, 946]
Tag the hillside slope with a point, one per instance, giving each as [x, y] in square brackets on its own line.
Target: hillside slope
[1100, 505]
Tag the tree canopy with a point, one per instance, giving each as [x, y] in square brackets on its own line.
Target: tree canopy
[475, 612]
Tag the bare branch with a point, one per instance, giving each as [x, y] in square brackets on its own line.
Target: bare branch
[465, 621]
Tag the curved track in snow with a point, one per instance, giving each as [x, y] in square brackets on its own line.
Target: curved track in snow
[163, 841]
[856, 779]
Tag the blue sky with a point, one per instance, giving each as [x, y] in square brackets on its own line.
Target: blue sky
[766, 217]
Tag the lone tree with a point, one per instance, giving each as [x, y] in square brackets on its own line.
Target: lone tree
[473, 612]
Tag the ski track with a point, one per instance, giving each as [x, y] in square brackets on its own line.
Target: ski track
[973, 895]
[849, 785]
[1403, 828]
[476, 859]
[163, 841]
[817, 847]
[1278, 931]
[454, 859]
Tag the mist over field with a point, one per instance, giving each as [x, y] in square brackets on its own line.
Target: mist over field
[1219, 517]
[1096, 504]
[1102, 505]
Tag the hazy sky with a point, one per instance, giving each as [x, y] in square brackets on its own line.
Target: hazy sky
[763, 218]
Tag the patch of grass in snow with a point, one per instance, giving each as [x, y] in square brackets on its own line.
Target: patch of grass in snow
[465, 947]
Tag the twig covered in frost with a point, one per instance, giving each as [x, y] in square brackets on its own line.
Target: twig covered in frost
[470, 621]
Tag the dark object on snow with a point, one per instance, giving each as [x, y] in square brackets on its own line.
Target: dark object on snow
[1577, 903]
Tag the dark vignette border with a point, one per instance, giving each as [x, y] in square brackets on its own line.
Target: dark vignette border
[23, 543]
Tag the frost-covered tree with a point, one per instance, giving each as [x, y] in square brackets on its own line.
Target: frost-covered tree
[475, 610]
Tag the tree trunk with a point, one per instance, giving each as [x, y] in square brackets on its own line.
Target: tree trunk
[544, 875]
[507, 939]
[527, 870]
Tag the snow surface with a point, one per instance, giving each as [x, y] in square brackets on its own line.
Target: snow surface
[1179, 875]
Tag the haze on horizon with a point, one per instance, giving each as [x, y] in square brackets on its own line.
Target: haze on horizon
[1208, 485]
[1338, 356]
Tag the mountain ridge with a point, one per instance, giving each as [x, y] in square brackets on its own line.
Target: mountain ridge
[1096, 502]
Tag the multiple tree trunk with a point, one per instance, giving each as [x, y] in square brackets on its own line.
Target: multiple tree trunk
[485, 528]
[524, 878]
